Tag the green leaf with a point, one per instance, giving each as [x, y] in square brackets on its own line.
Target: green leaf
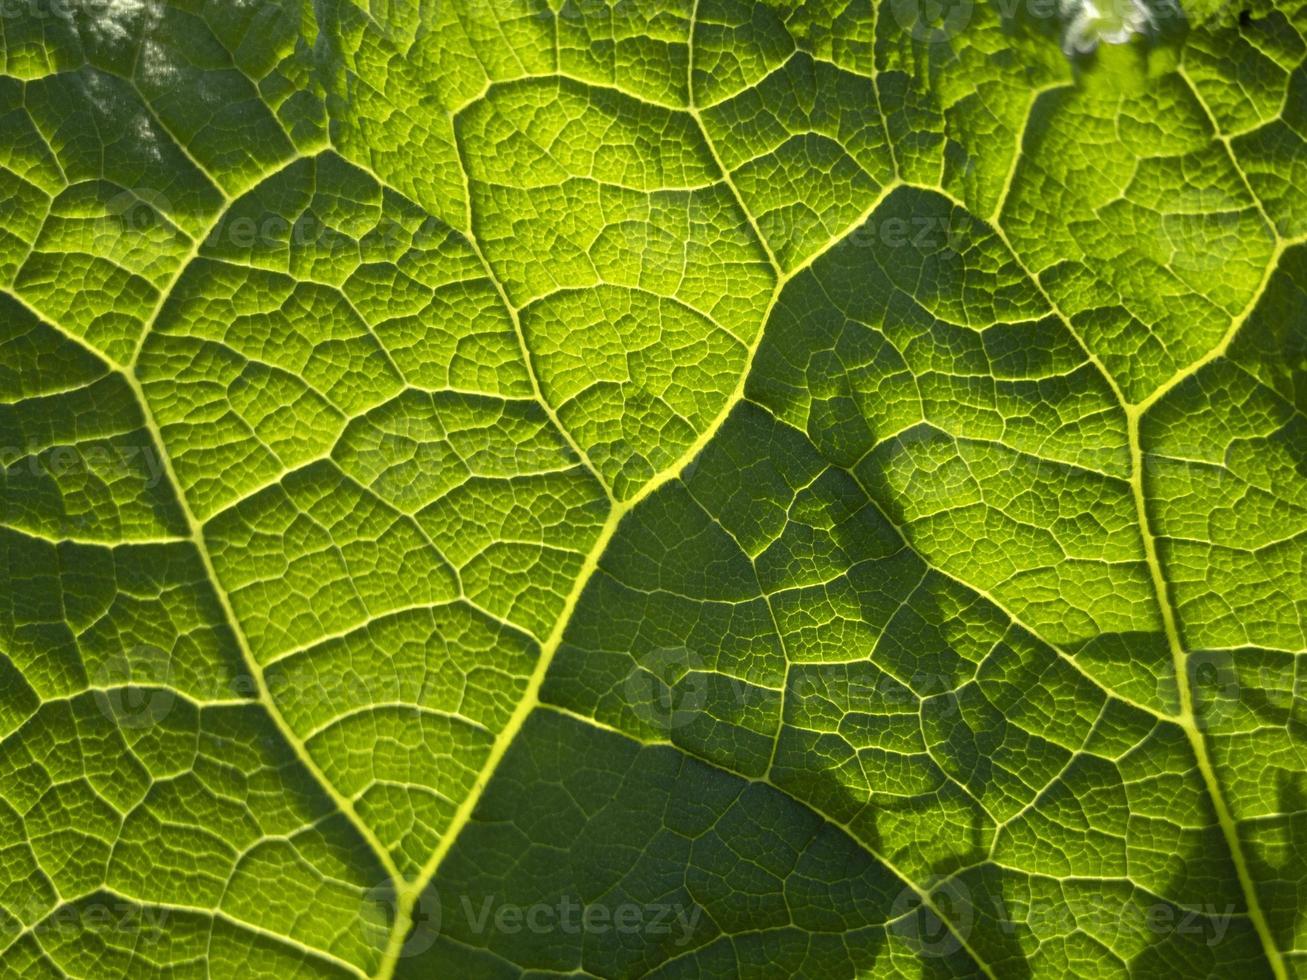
[618, 488]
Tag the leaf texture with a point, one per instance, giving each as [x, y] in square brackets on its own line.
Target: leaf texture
[651, 489]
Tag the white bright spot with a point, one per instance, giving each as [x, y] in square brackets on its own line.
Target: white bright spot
[131, 21]
[1088, 25]
[114, 20]
[155, 67]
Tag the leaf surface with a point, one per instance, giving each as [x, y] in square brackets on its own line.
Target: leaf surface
[651, 489]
